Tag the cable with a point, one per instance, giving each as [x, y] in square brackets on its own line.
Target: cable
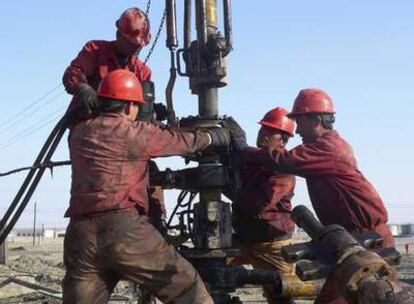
[33, 177]
[30, 105]
[48, 101]
[49, 165]
[31, 129]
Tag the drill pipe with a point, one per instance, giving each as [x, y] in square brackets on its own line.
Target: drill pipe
[361, 276]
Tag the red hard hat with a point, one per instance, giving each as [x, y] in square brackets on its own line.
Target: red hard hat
[312, 101]
[122, 85]
[134, 26]
[277, 119]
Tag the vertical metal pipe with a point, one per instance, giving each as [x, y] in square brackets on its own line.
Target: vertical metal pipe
[207, 25]
[187, 23]
[213, 216]
[172, 41]
[211, 16]
[208, 102]
[170, 87]
[201, 22]
[227, 23]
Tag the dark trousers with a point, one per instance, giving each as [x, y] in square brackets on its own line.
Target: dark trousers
[100, 251]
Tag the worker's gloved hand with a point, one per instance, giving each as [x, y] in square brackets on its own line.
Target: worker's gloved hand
[237, 134]
[160, 111]
[220, 137]
[88, 98]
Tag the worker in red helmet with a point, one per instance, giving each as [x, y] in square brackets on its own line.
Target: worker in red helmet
[109, 236]
[261, 207]
[339, 192]
[98, 57]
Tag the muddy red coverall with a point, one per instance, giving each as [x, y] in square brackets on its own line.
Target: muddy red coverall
[109, 235]
[94, 61]
[261, 219]
[339, 192]
[262, 208]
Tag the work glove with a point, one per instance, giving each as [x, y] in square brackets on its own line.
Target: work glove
[220, 137]
[88, 98]
[237, 134]
[160, 111]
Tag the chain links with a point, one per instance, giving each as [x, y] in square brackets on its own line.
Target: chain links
[148, 7]
[157, 36]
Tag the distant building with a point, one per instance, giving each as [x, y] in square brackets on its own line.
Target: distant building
[60, 233]
[395, 229]
[401, 230]
[48, 233]
[26, 232]
[407, 229]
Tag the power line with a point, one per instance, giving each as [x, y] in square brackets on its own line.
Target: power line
[29, 115]
[34, 127]
[31, 129]
[30, 105]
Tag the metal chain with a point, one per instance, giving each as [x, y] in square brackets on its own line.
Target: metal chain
[148, 7]
[157, 36]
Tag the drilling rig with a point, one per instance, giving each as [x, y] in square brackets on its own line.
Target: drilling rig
[208, 223]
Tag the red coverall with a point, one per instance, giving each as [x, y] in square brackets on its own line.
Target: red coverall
[261, 219]
[109, 236]
[94, 61]
[339, 192]
[262, 208]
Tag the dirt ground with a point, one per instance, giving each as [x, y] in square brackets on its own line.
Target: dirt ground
[42, 265]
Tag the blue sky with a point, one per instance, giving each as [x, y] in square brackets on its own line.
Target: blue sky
[360, 52]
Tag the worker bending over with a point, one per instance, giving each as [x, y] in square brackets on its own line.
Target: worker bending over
[339, 192]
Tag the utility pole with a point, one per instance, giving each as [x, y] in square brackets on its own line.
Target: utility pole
[3, 253]
[42, 234]
[34, 224]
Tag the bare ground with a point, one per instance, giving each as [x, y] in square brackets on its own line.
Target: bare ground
[42, 265]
